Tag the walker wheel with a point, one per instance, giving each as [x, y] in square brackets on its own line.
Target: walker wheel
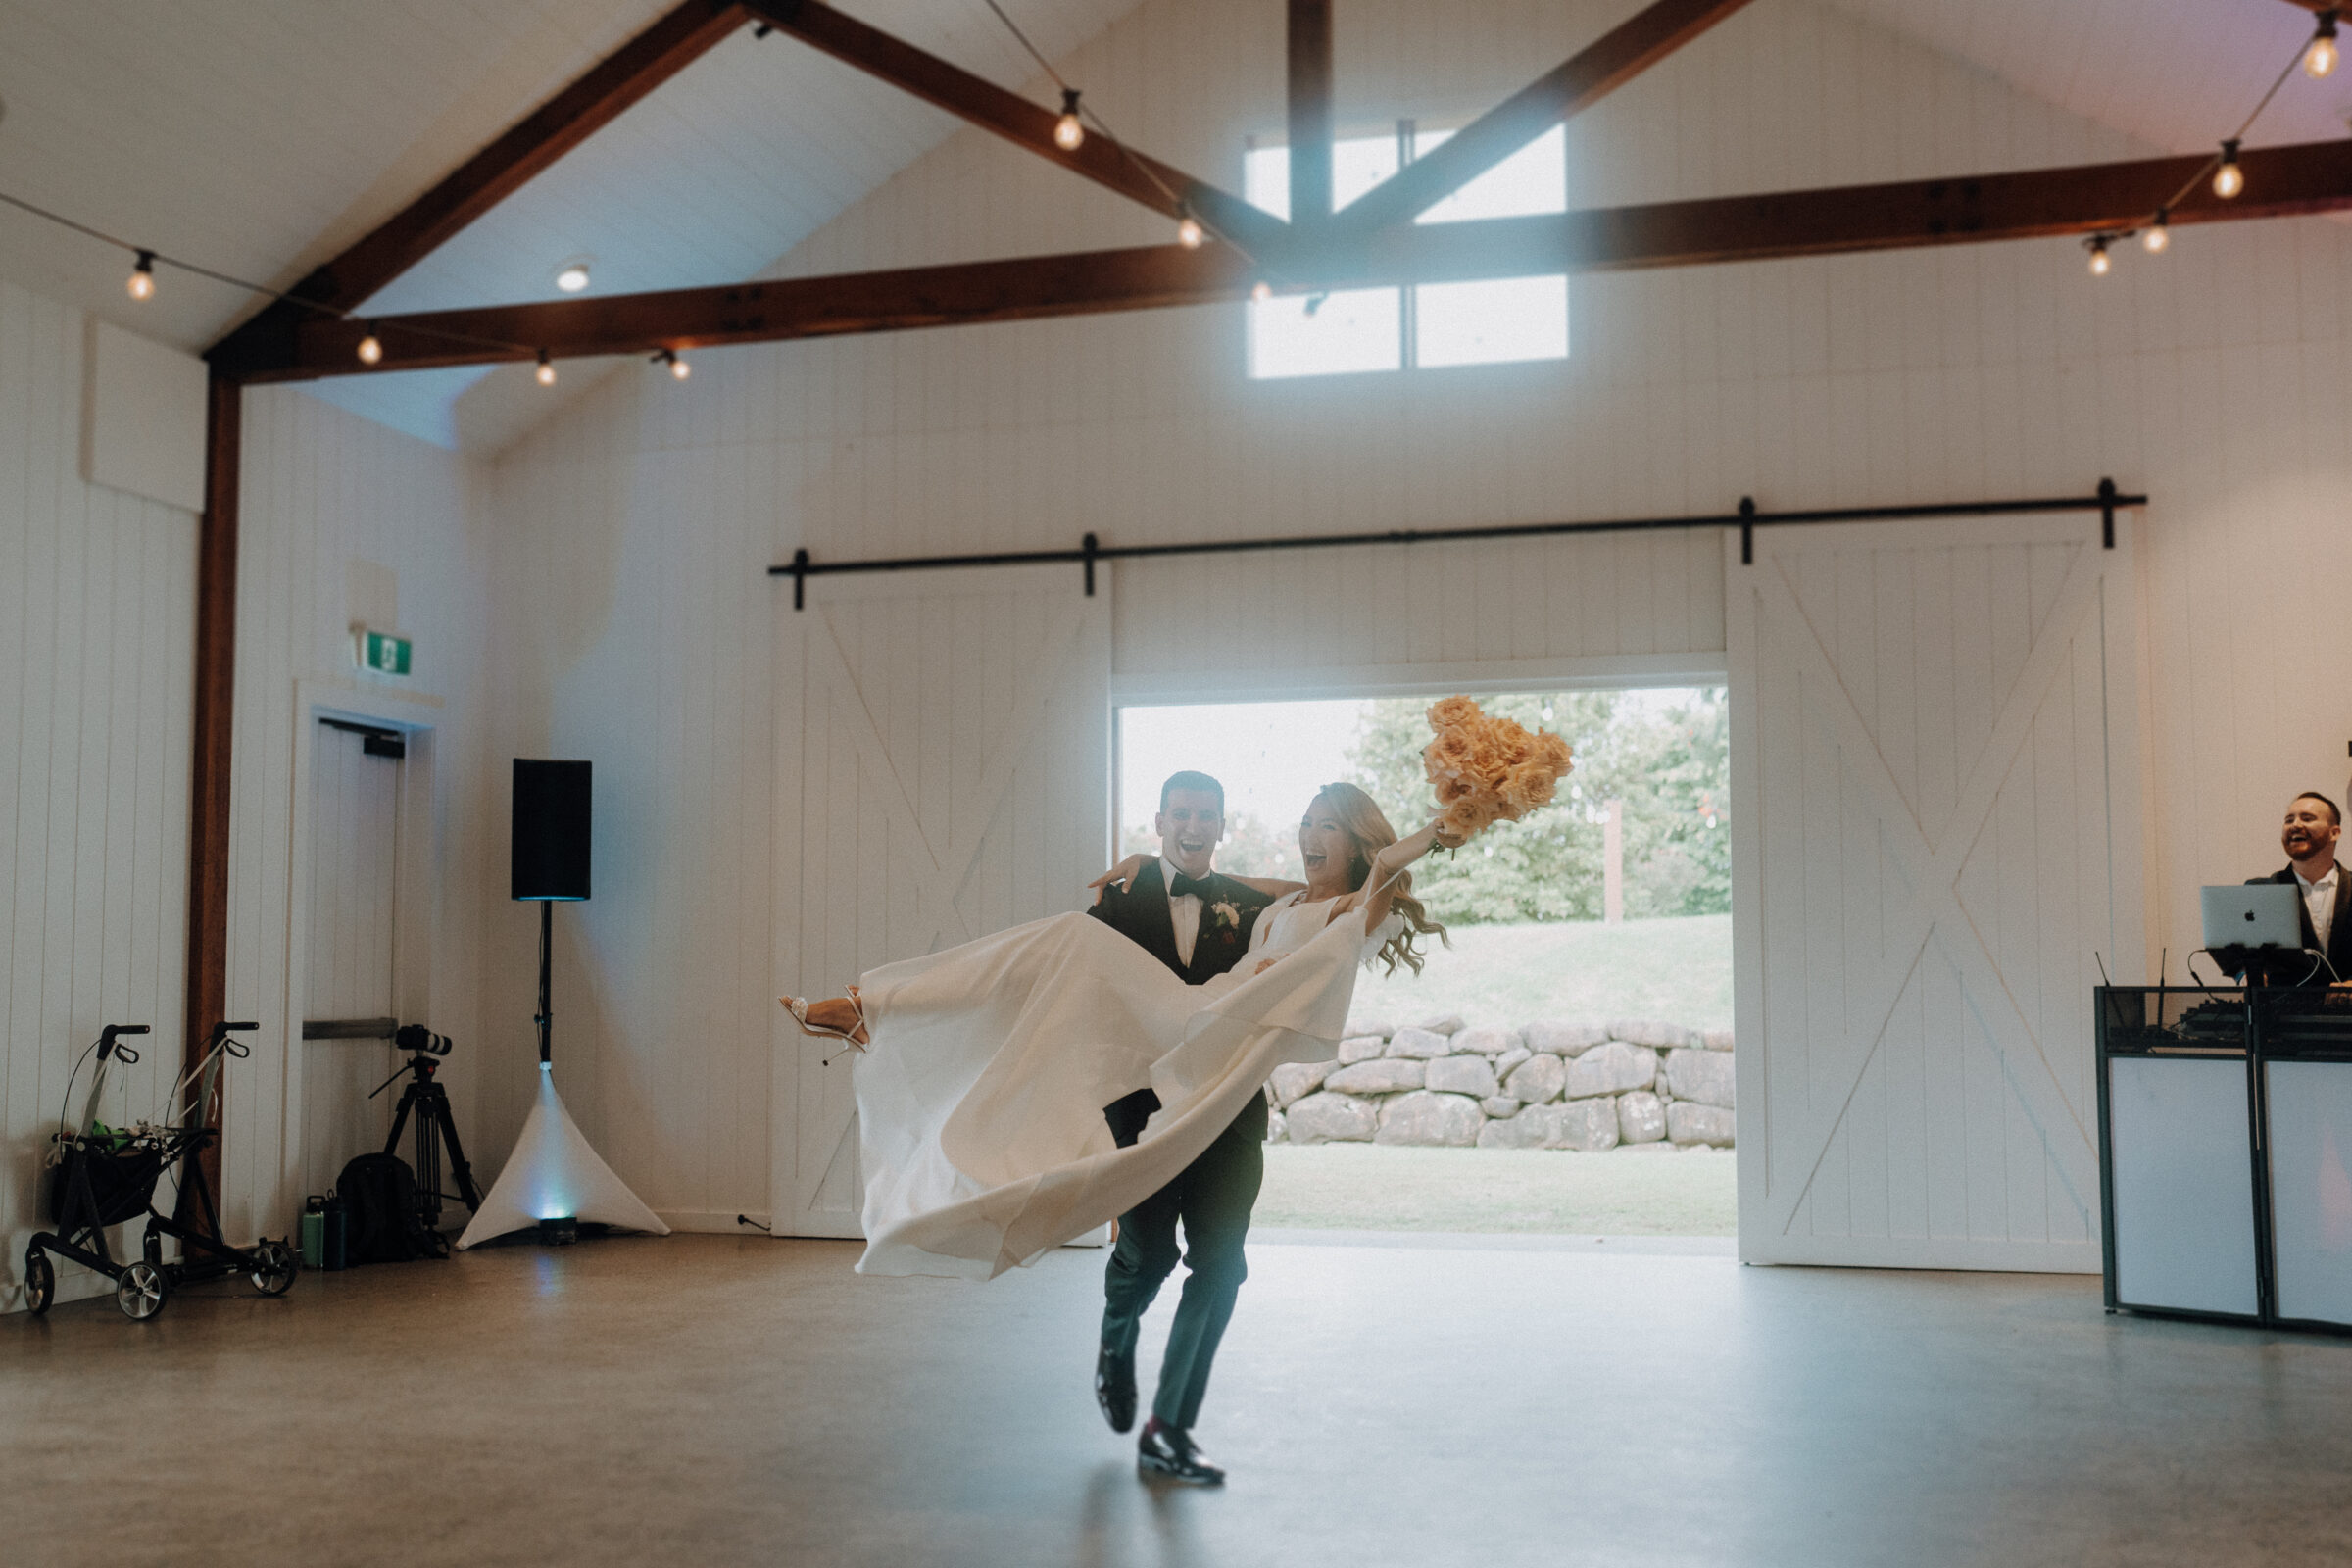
[40, 1280]
[277, 1265]
[141, 1290]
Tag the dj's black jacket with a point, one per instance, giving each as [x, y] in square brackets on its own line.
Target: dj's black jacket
[2340, 932]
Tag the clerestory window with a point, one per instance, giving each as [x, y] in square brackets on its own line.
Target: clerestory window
[1430, 325]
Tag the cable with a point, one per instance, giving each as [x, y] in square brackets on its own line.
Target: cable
[1086, 108]
[149, 254]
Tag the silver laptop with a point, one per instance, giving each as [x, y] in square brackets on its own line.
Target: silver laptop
[2258, 914]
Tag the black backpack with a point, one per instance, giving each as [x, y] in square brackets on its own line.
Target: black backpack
[378, 1193]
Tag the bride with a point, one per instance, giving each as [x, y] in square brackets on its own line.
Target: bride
[985, 1069]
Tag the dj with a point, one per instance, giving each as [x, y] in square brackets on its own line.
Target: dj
[2313, 825]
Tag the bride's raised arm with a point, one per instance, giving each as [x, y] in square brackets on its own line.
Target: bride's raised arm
[1379, 891]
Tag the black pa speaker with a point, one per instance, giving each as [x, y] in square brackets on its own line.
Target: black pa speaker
[551, 830]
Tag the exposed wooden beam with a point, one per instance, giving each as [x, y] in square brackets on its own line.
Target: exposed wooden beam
[1310, 114]
[1134, 175]
[1141, 279]
[1588, 76]
[2280, 181]
[680, 36]
[205, 991]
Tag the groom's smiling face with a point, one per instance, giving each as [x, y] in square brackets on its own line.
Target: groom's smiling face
[1190, 824]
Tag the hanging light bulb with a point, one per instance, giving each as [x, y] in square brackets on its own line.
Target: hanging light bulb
[142, 277]
[679, 370]
[2156, 236]
[2320, 58]
[2228, 179]
[547, 369]
[2099, 262]
[1188, 232]
[371, 348]
[1068, 135]
[1262, 291]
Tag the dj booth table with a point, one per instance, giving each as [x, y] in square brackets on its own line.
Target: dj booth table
[2226, 1152]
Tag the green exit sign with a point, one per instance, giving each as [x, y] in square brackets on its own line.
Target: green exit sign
[384, 654]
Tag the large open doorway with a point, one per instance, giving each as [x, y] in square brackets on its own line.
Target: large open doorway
[1565, 1063]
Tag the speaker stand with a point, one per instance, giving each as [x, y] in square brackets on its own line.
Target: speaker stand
[555, 1179]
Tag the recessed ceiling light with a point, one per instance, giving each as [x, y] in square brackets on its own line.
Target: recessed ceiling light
[572, 276]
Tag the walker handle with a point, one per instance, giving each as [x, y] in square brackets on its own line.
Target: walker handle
[123, 1053]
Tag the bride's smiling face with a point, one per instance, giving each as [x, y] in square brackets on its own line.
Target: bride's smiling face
[1327, 847]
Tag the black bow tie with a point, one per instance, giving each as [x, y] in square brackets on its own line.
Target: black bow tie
[1195, 886]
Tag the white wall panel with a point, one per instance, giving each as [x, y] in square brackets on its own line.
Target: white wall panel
[343, 518]
[96, 614]
[633, 532]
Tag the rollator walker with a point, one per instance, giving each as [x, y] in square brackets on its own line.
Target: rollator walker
[102, 1176]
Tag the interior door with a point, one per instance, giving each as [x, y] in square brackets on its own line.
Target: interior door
[349, 948]
[1936, 831]
[944, 753]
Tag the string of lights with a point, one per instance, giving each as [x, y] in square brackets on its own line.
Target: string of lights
[1069, 135]
[2319, 55]
[142, 284]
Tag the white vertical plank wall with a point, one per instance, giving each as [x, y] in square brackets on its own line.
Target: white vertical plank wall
[97, 611]
[1622, 608]
[1935, 756]
[334, 508]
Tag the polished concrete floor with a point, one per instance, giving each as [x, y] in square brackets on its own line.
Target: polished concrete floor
[723, 1401]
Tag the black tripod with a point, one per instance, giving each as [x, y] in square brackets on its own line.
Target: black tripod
[430, 1101]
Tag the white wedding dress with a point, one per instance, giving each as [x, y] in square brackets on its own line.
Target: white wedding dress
[980, 1097]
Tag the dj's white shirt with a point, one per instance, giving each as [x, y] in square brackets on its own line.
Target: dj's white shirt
[2318, 897]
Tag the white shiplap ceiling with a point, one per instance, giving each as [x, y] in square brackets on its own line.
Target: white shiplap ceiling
[262, 136]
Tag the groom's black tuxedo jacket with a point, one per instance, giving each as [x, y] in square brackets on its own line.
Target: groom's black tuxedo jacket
[1141, 914]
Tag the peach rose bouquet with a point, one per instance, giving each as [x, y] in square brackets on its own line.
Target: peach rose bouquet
[1488, 770]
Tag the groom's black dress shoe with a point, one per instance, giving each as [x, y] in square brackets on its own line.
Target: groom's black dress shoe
[1168, 1453]
[1115, 1388]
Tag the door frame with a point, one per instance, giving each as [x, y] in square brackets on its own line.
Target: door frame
[415, 893]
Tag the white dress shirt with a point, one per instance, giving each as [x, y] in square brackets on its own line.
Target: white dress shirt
[2318, 897]
[1185, 913]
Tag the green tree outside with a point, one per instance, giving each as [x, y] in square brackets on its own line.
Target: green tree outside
[1671, 766]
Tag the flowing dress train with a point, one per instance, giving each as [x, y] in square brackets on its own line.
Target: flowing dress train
[980, 1096]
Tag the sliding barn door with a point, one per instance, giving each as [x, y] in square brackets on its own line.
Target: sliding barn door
[944, 766]
[1935, 773]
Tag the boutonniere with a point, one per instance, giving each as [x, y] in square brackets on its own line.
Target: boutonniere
[1227, 916]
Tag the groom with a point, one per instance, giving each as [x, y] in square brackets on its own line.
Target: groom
[1198, 923]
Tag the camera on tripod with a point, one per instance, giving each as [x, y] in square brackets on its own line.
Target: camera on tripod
[425, 1104]
[416, 1037]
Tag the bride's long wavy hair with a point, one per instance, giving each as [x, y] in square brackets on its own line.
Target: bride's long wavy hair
[1370, 833]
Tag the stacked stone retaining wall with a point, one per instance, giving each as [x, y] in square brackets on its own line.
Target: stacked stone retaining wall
[1633, 1083]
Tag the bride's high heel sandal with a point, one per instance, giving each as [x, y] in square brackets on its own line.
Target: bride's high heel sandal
[798, 1007]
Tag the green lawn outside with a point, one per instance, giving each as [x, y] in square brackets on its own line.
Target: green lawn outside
[1678, 969]
[1386, 1187]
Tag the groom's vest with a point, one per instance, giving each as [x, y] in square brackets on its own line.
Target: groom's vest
[1227, 916]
